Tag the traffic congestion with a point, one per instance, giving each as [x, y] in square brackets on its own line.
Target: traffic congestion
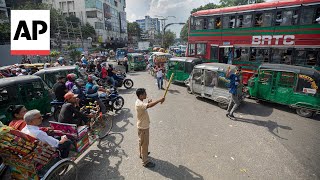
[242, 67]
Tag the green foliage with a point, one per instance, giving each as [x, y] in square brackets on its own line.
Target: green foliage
[169, 38]
[73, 52]
[88, 31]
[228, 3]
[134, 29]
[54, 54]
[73, 19]
[207, 6]
[184, 31]
[32, 6]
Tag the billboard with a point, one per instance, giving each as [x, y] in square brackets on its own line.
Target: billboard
[123, 22]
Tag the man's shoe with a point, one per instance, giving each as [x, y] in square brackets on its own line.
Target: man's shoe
[148, 154]
[150, 165]
[227, 115]
[231, 116]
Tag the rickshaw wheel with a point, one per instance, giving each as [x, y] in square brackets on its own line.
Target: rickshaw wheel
[67, 170]
[223, 105]
[304, 113]
[105, 127]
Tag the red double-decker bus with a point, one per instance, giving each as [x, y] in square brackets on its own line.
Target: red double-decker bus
[284, 32]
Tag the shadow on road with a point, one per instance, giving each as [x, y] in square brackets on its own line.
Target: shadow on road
[255, 109]
[122, 116]
[173, 91]
[170, 171]
[96, 164]
[127, 91]
[271, 125]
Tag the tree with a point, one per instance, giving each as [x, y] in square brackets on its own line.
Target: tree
[228, 3]
[134, 29]
[184, 31]
[169, 38]
[73, 52]
[88, 31]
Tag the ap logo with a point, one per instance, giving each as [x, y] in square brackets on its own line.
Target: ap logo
[30, 32]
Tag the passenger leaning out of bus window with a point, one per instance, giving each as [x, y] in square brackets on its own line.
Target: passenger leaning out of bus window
[244, 55]
[17, 112]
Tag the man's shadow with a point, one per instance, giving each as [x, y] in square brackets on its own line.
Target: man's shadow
[171, 171]
[271, 125]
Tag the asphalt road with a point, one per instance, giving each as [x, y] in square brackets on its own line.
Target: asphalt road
[190, 138]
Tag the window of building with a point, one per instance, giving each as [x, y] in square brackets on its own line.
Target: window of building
[192, 50]
[267, 19]
[201, 49]
[247, 21]
[218, 23]
[91, 14]
[98, 25]
[199, 23]
[211, 23]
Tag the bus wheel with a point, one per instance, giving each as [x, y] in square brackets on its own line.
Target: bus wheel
[223, 105]
[304, 113]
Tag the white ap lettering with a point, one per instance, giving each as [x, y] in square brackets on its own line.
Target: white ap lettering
[267, 39]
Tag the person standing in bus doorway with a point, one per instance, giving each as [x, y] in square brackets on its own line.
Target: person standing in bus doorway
[234, 82]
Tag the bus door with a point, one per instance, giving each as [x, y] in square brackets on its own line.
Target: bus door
[214, 50]
[224, 54]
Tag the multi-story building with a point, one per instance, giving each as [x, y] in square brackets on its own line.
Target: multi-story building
[3, 12]
[149, 26]
[108, 17]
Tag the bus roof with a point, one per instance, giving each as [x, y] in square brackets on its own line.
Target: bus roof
[295, 69]
[184, 59]
[17, 80]
[253, 7]
[215, 66]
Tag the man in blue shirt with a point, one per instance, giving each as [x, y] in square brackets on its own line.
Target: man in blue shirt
[234, 101]
[92, 92]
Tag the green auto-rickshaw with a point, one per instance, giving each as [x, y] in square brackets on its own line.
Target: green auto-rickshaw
[136, 61]
[295, 86]
[50, 75]
[29, 91]
[181, 67]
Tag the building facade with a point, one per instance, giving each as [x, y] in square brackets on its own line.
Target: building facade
[108, 17]
[150, 27]
[3, 12]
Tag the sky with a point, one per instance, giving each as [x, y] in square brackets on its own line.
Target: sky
[138, 9]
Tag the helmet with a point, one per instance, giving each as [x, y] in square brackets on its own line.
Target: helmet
[92, 78]
[79, 82]
[71, 77]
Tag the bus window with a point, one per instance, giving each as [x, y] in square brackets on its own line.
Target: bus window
[205, 23]
[242, 54]
[286, 18]
[225, 22]
[247, 21]
[317, 17]
[258, 20]
[199, 23]
[259, 55]
[201, 49]
[295, 17]
[267, 19]
[278, 18]
[276, 56]
[217, 22]
[310, 57]
[211, 23]
[239, 21]
[281, 56]
[300, 57]
[307, 15]
[192, 23]
[287, 57]
[191, 50]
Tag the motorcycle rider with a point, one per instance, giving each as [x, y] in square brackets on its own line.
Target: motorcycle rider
[78, 89]
[60, 89]
[71, 78]
[92, 92]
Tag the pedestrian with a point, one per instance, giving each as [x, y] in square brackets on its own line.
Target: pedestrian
[125, 63]
[159, 71]
[143, 123]
[234, 83]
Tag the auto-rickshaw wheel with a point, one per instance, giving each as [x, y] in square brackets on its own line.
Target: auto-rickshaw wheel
[189, 90]
[304, 113]
[223, 105]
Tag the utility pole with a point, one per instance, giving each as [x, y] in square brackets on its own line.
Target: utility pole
[163, 22]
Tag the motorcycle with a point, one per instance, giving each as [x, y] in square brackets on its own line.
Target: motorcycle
[112, 101]
[120, 80]
[56, 108]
